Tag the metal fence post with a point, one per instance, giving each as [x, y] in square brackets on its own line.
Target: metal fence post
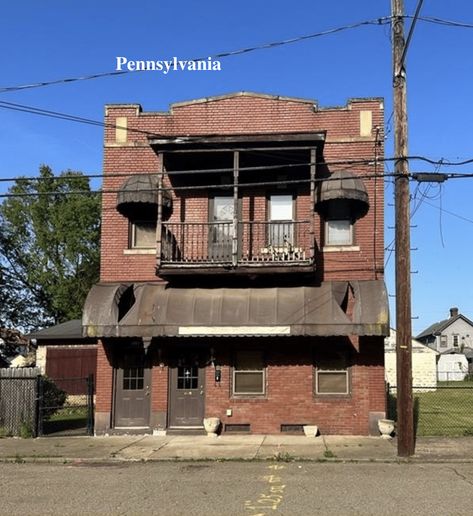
[90, 404]
[39, 405]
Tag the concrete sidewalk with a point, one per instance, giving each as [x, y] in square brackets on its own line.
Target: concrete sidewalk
[230, 447]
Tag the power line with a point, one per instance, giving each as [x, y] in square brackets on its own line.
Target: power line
[220, 55]
[197, 139]
[377, 21]
[188, 188]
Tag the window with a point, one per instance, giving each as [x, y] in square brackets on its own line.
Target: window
[455, 341]
[248, 373]
[143, 234]
[339, 232]
[281, 216]
[339, 226]
[443, 341]
[133, 379]
[332, 375]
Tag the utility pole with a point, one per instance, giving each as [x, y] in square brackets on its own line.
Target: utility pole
[405, 414]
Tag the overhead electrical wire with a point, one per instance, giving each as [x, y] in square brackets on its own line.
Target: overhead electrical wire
[376, 21]
[220, 55]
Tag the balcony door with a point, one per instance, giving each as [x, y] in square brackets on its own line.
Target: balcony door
[281, 218]
[221, 210]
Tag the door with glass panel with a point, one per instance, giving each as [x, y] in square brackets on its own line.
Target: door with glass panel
[132, 389]
[221, 209]
[186, 399]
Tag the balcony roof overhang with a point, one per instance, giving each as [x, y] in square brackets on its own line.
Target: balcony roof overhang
[238, 141]
[162, 311]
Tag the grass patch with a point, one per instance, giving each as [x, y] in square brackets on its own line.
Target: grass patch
[71, 418]
[448, 411]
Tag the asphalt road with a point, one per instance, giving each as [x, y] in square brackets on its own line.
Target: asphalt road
[235, 488]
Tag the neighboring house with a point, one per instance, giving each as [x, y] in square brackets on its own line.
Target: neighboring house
[424, 364]
[241, 267]
[452, 334]
[450, 337]
[14, 349]
[63, 354]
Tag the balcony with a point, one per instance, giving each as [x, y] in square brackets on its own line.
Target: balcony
[213, 247]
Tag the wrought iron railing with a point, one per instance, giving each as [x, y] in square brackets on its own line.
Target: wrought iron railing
[220, 243]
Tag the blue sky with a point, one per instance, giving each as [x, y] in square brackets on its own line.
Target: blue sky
[56, 39]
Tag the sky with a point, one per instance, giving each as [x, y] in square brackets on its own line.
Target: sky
[57, 39]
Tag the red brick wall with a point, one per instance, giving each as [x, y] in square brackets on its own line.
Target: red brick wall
[243, 114]
[104, 380]
[289, 397]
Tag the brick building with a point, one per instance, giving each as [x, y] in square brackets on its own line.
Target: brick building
[242, 267]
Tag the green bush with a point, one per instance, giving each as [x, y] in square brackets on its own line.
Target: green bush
[53, 398]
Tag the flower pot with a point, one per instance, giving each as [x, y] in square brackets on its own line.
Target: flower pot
[211, 425]
[311, 430]
[386, 427]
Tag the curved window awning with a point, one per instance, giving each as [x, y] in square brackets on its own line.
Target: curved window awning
[138, 195]
[342, 190]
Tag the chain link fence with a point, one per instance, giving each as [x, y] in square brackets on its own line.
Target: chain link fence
[33, 405]
[444, 409]
[66, 406]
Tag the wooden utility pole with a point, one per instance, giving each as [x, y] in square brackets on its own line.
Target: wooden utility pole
[405, 414]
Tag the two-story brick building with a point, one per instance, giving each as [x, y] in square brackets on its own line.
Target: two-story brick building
[242, 267]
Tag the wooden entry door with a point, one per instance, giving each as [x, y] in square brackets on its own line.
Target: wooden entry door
[132, 389]
[186, 393]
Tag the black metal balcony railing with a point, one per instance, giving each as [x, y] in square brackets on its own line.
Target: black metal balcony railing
[218, 243]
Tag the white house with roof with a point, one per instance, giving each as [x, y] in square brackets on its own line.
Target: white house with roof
[453, 339]
[424, 364]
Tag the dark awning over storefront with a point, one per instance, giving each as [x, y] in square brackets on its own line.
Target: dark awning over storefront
[156, 310]
[140, 191]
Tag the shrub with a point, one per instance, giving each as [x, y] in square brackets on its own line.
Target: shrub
[53, 398]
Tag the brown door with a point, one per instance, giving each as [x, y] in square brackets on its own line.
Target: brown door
[186, 407]
[132, 390]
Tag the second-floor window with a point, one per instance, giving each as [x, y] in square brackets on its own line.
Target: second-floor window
[143, 234]
[339, 227]
[455, 341]
[281, 218]
[339, 232]
[443, 341]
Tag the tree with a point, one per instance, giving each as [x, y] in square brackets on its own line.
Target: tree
[49, 248]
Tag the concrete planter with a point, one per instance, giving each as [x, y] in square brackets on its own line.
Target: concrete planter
[311, 430]
[386, 427]
[211, 425]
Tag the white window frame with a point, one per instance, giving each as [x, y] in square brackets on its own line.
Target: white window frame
[443, 341]
[456, 340]
[237, 371]
[133, 235]
[348, 242]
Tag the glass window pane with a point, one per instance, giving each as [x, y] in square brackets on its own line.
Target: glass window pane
[332, 382]
[339, 232]
[280, 207]
[249, 383]
[144, 234]
[223, 208]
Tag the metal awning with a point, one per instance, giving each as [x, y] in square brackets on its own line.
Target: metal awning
[345, 188]
[140, 192]
[162, 311]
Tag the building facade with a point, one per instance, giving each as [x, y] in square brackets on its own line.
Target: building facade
[241, 267]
